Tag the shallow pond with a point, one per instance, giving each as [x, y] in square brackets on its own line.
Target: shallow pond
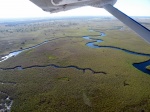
[142, 66]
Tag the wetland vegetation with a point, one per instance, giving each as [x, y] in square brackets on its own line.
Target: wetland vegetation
[64, 74]
[148, 67]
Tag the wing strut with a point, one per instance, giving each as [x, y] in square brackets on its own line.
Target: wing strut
[134, 25]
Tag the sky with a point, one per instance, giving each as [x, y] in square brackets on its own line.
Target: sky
[26, 9]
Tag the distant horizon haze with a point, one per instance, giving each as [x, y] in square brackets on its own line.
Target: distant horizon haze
[26, 9]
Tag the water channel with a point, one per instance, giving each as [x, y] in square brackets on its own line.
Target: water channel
[140, 66]
[6, 103]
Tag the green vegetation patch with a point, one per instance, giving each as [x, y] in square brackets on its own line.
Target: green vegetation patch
[52, 57]
[148, 67]
[29, 51]
[122, 89]
[64, 78]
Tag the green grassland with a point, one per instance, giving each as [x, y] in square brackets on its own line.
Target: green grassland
[122, 89]
[25, 35]
[124, 38]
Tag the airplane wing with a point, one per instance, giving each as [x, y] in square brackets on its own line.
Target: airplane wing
[63, 5]
[54, 6]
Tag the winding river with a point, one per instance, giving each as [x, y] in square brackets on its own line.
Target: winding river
[140, 66]
[54, 66]
[15, 53]
[7, 102]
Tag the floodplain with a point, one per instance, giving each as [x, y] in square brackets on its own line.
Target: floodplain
[65, 75]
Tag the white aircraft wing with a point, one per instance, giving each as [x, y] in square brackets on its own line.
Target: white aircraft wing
[63, 5]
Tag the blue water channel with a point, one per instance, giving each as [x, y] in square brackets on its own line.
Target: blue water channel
[140, 66]
[15, 53]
